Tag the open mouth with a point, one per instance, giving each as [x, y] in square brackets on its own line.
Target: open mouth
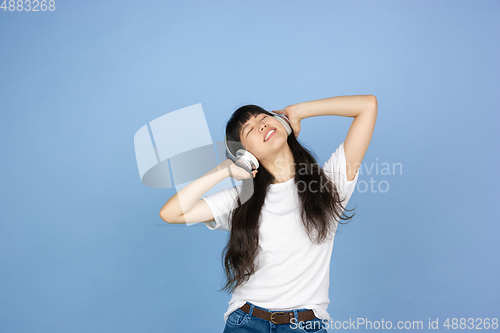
[269, 135]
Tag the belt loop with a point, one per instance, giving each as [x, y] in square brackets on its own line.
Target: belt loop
[251, 309]
[296, 316]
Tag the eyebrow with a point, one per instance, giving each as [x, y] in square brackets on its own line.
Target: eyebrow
[247, 125]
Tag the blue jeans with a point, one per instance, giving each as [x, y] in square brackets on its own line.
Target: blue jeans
[241, 322]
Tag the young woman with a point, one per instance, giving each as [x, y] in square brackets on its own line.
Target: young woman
[283, 218]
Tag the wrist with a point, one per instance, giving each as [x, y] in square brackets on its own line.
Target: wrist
[298, 111]
[222, 170]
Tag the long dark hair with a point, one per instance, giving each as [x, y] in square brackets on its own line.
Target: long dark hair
[319, 208]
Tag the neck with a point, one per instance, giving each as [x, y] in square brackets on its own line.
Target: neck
[281, 165]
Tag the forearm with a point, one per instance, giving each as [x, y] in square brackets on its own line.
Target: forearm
[345, 106]
[186, 198]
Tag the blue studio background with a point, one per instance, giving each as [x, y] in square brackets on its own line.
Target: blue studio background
[82, 247]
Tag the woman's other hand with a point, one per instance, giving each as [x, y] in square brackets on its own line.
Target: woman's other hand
[236, 171]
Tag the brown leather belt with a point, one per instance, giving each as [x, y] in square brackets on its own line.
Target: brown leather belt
[279, 317]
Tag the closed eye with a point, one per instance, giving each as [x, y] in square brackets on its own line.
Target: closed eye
[252, 127]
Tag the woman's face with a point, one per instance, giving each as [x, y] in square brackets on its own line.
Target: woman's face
[263, 136]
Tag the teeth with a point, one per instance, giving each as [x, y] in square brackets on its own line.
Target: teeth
[267, 136]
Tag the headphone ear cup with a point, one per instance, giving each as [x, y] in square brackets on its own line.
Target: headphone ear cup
[248, 159]
[243, 158]
[284, 121]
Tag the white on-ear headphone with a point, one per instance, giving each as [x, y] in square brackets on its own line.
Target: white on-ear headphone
[247, 160]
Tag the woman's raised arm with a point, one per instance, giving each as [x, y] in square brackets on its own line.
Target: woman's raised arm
[186, 206]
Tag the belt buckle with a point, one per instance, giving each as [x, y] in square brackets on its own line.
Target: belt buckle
[272, 314]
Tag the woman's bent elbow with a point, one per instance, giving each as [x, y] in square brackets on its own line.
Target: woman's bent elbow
[170, 219]
[164, 218]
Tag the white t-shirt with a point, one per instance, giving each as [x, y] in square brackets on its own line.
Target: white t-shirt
[292, 272]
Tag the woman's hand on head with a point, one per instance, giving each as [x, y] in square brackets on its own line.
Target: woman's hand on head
[236, 171]
[292, 117]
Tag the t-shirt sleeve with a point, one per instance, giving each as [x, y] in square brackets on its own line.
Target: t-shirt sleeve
[335, 168]
[222, 204]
